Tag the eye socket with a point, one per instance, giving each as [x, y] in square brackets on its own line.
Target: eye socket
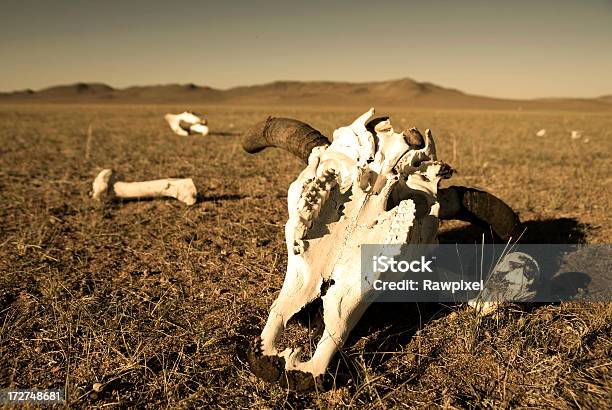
[414, 138]
[417, 163]
[371, 125]
[446, 171]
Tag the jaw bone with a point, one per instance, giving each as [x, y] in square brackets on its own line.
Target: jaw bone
[105, 186]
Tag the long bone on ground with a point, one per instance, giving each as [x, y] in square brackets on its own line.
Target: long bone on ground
[105, 187]
[359, 189]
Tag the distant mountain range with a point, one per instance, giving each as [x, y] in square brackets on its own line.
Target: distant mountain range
[401, 93]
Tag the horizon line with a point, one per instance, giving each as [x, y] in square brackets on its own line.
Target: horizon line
[76, 83]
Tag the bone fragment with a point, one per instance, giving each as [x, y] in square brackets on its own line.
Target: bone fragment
[515, 277]
[186, 123]
[105, 186]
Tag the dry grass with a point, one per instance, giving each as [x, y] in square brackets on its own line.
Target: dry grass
[158, 302]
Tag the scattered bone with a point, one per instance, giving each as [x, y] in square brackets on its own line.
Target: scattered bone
[576, 134]
[541, 133]
[187, 123]
[370, 185]
[514, 277]
[106, 187]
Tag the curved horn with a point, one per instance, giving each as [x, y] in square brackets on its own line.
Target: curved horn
[480, 208]
[295, 136]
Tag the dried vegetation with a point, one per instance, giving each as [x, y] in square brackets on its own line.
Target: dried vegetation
[153, 303]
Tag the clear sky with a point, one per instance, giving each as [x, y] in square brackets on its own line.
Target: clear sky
[518, 49]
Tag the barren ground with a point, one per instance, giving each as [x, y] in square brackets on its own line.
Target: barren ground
[159, 302]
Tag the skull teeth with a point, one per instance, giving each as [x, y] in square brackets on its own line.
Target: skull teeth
[315, 193]
[402, 219]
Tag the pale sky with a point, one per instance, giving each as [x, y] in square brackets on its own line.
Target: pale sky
[515, 49]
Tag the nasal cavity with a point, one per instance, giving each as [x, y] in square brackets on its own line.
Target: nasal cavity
[326, 285]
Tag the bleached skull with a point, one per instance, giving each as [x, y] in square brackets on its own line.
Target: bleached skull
[187, 123]
[371, 185]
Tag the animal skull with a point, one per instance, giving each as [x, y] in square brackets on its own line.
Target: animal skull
[186, 123]
[370, 185]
